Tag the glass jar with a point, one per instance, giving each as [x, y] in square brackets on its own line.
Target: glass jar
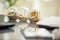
[12, 14]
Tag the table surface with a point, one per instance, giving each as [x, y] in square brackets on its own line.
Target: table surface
[14, 33]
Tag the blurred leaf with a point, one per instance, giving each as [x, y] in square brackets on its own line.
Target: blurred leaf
[11, 3]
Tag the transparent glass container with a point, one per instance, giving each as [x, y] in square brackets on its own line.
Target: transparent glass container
[12, 13]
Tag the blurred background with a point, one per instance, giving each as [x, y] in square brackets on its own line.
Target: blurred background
[46, 8]
[12, 11]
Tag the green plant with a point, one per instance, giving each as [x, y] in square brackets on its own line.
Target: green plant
[11, 2]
